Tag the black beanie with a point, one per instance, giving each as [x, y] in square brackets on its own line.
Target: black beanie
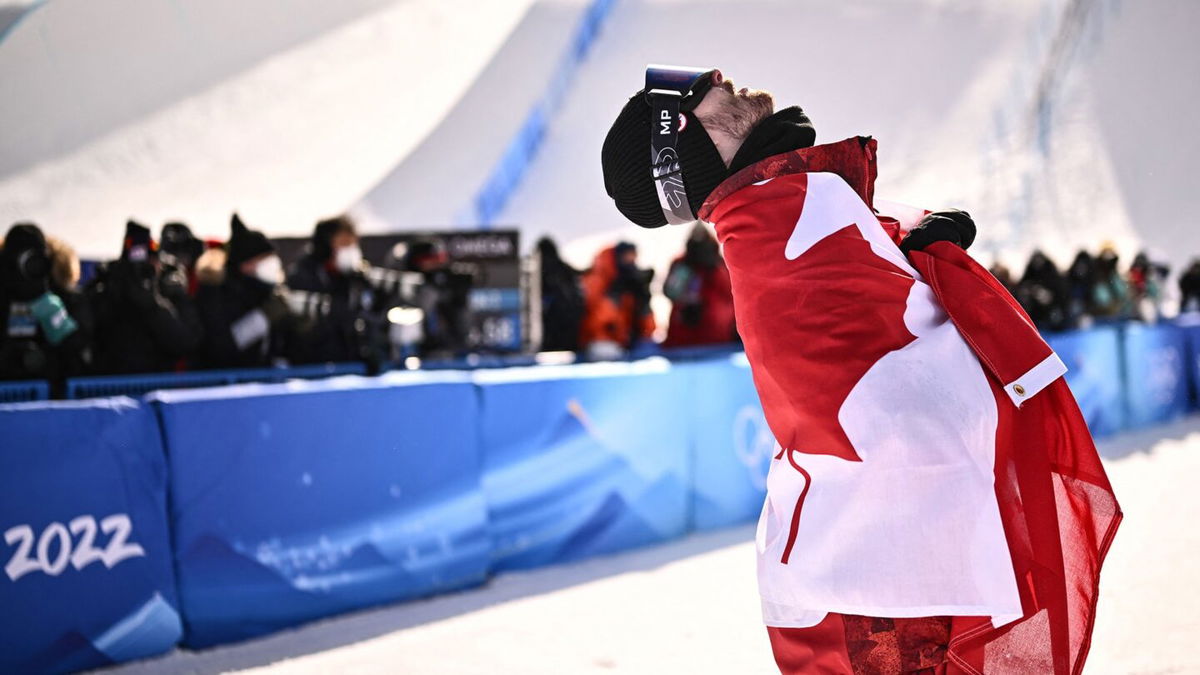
[625, 158]
[244, 244]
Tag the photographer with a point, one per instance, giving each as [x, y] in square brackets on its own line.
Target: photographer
[617, 294]
[354, 327]
[47, 325]
[139, 328]
[443, 297]
[243, 303]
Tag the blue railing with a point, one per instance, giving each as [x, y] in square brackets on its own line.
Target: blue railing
[28, 390]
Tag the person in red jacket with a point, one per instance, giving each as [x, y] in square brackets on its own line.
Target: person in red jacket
[935, 504]
[701, 300]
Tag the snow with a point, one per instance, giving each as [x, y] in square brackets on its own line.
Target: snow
[178, 113]
[691, 606]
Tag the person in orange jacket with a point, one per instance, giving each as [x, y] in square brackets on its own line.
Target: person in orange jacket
[617, 298]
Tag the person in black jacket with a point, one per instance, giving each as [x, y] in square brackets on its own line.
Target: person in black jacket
[244, 310]
[1042, 291]
[355, 328]
[1189, 288]
[45, 322]
[138, 328]
[562, 300]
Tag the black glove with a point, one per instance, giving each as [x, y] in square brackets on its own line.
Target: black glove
[276, 306]
[952, 225]
[135, 284]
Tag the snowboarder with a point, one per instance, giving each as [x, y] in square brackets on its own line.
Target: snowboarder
[935, 503]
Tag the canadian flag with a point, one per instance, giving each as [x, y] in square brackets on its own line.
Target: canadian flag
[931, 461]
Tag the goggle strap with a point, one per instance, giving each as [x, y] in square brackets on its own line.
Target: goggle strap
[664, 157]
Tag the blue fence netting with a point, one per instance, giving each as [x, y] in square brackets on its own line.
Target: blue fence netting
[293, 499]
[26, 390]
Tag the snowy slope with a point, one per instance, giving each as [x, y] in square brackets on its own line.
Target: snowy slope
[288, 110]
[1057, 123]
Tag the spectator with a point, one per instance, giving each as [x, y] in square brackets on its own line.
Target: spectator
[1146, 286]
[1004, 276]
[1081, 281]
[243, 304]
[355, 328]
[1042, 291]
[1110, 294]
[1189, 288]
[139, 329]
[617, 299]
[47, 323]
[698, 287]
[443, 297]
[178, 253]
[562, 300]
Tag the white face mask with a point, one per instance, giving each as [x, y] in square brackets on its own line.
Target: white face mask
[269, 270]
[348, 258]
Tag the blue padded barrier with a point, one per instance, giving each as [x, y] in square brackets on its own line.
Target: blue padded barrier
[731, 445]
[1093, 360]
[138, 385]
[1190, 325]
[87, 575]
[1155, 360]
[583, 460]
[25, 390]
[294, 501]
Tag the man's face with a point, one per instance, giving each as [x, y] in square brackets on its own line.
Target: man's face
[343, 239]
[729, 115]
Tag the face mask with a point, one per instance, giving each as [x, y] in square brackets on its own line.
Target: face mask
[348, 259]
[269, 270]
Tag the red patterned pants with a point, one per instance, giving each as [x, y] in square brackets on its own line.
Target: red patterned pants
[844, 644]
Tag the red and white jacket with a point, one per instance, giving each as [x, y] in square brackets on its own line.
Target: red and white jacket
[931, 460]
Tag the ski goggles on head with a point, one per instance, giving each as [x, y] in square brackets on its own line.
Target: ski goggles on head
[670, 92]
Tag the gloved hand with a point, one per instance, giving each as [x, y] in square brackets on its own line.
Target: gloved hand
[276, 306]
[52, 316]
[952, 225]
[134, 284]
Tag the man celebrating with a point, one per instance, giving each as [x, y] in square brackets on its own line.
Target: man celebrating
[936, 504]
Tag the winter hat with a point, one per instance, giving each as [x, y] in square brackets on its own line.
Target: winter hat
[244, 244]
[178, 240]
[625, 158]
[138, 245]
[322, 236]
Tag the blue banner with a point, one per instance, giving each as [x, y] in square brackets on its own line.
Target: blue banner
[583, 460]
[295, 501]
[87, 578]
[732, 446]
[1155, 373]
[1093, 359]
